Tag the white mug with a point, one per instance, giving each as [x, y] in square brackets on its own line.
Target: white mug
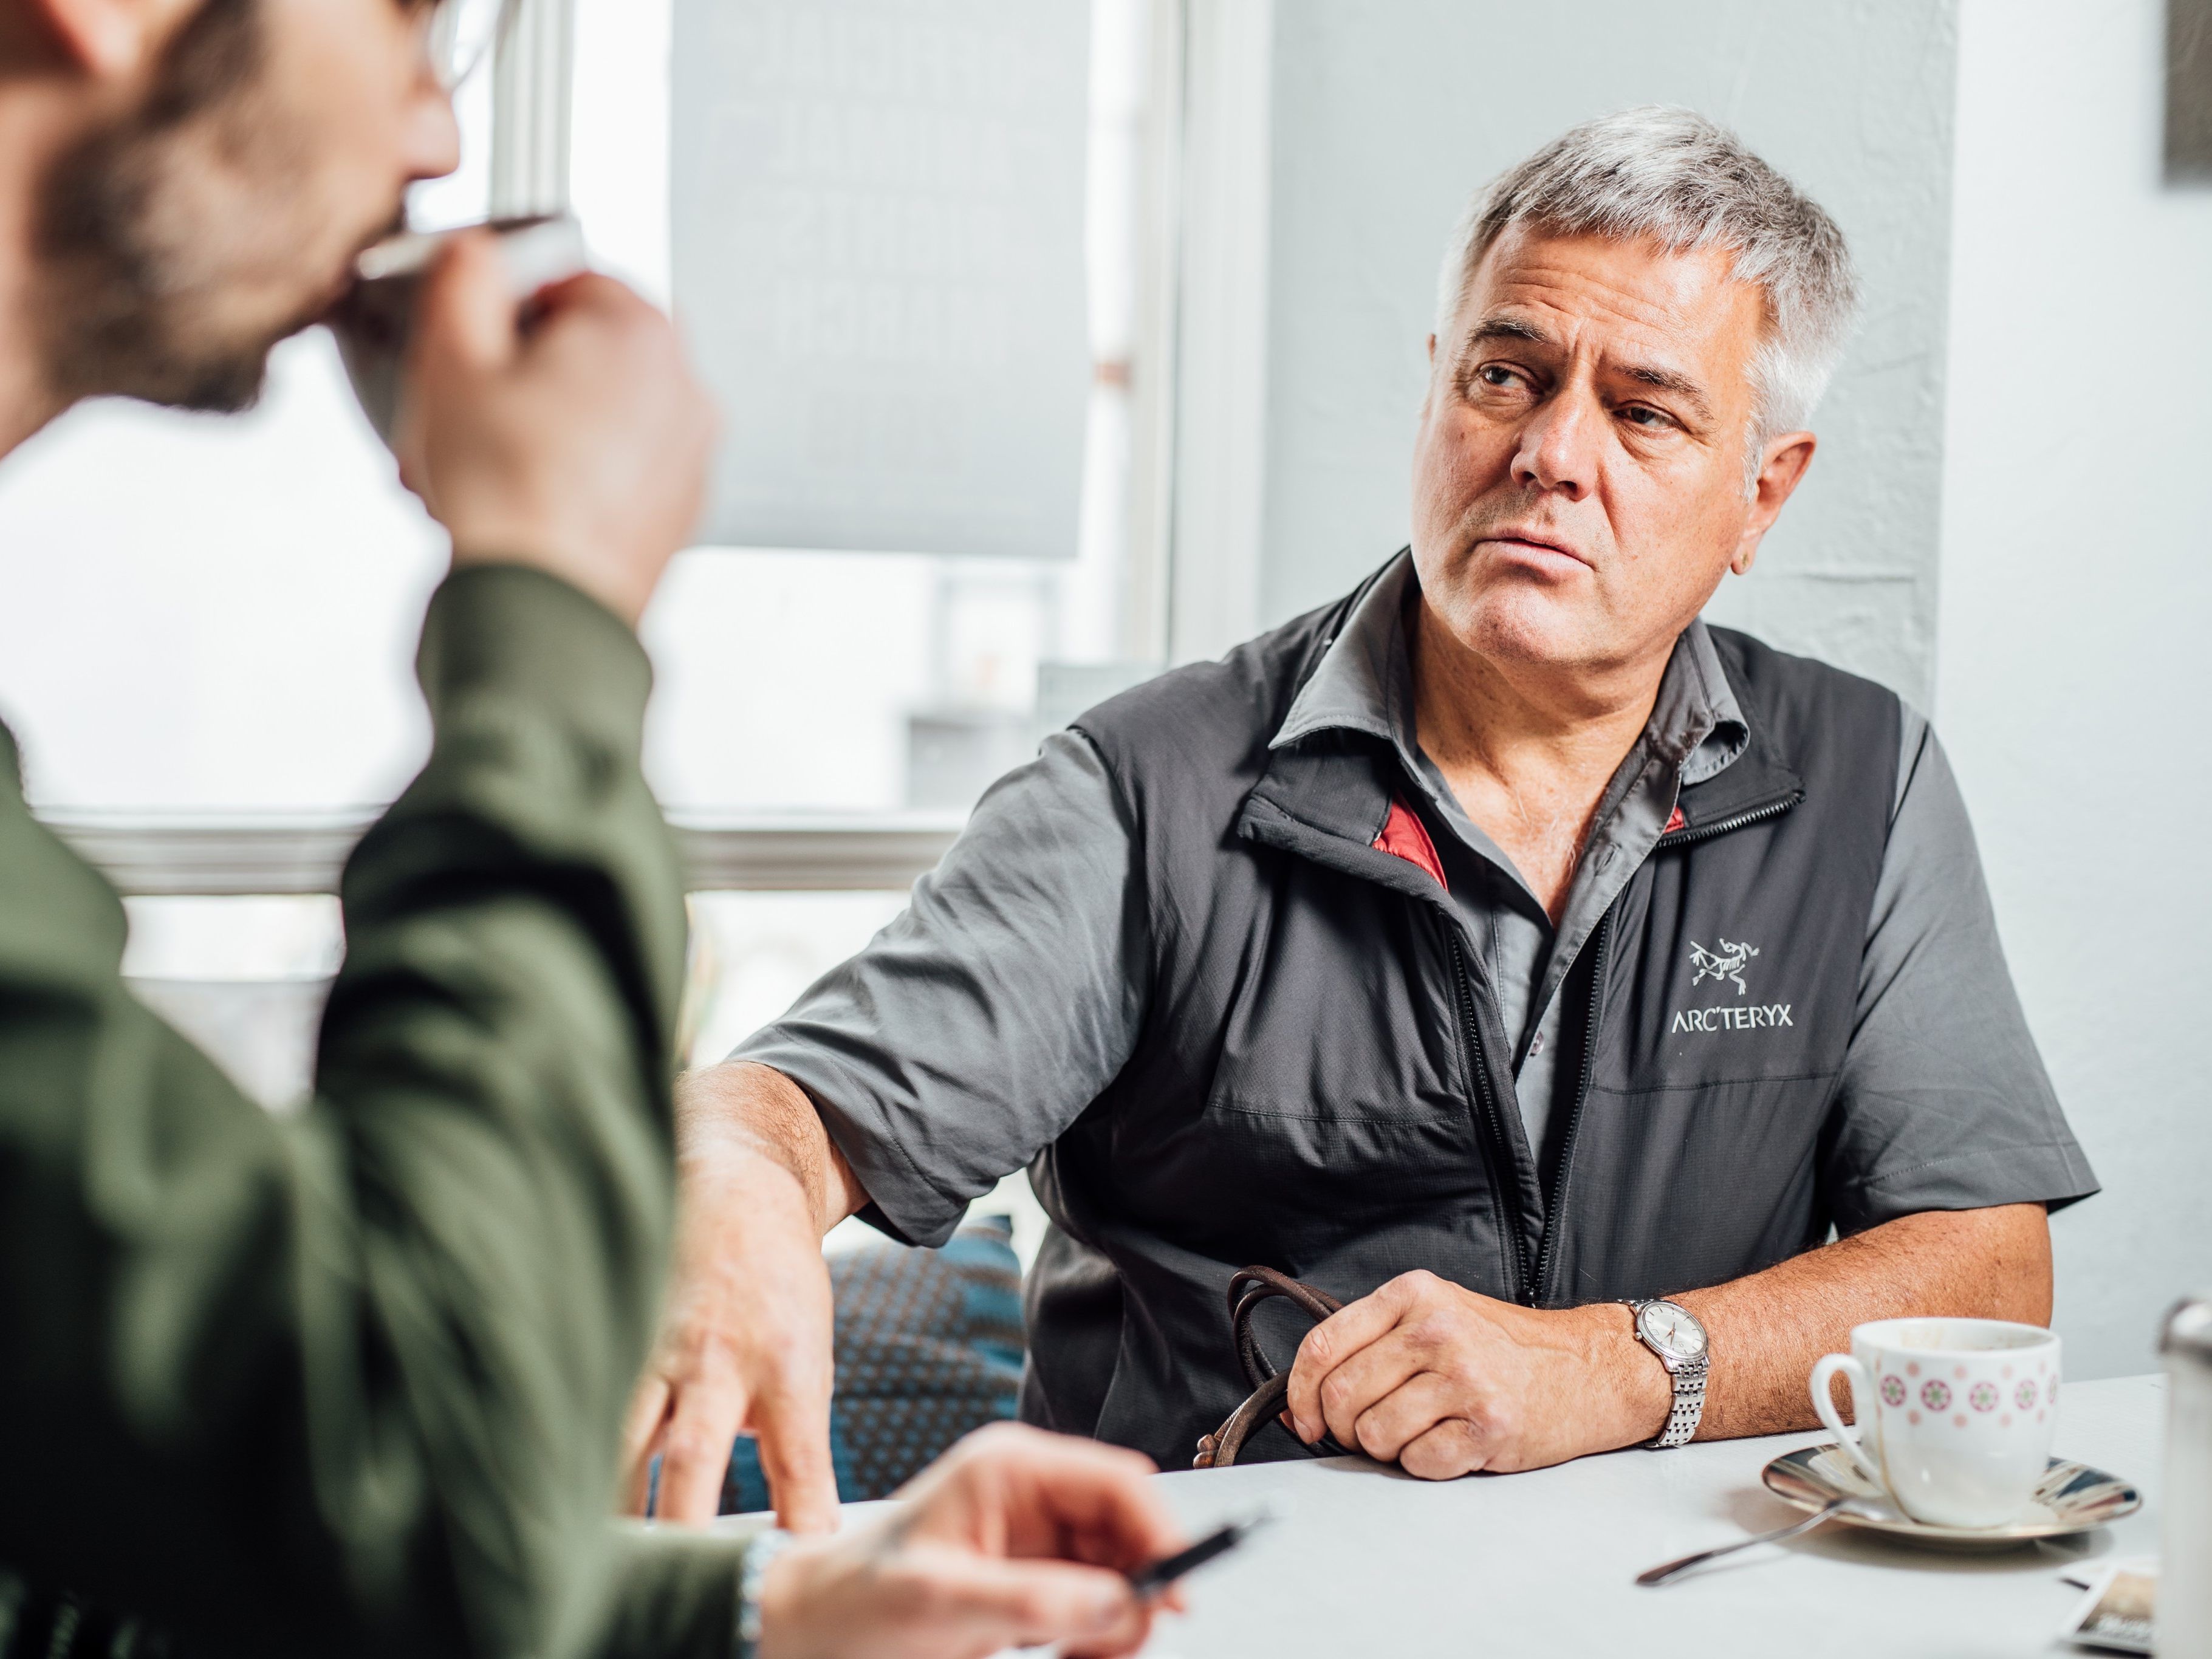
[1955, 1415]
[374, 319]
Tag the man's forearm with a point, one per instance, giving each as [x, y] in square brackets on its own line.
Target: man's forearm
[1445, 1381]
[740, 1110]
[1767, 1329]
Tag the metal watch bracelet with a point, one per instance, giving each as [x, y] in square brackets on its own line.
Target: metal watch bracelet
[1689, 1406]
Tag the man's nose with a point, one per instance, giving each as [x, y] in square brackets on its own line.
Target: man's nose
[1558, 446]
[434, 133]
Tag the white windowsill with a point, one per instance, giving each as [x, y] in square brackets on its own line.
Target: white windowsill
[169, 854]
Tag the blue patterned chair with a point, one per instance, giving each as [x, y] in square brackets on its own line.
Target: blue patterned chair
[928, 1346]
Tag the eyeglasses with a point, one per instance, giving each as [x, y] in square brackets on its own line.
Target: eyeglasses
[460, 35]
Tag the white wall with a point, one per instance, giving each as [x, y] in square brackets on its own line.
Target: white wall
[2076, 589]
[1387, 117]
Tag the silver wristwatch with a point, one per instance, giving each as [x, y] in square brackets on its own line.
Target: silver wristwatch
[1672, 1332]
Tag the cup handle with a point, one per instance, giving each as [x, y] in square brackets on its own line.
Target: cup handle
[1823, 1369]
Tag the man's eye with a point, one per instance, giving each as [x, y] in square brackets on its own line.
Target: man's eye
[1644, 416]
[1496, 375]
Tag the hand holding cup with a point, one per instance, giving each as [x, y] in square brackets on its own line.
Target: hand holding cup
[546, 423]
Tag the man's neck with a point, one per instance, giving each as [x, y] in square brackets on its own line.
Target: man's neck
[1528, 752]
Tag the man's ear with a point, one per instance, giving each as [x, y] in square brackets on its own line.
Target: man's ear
[1429, 386]
[110, 39]
[1787, 458]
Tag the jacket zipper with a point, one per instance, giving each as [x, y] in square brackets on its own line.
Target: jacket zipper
[1509, 1187]
[1774, 809]
[1528, 1285]
[1559, 1204]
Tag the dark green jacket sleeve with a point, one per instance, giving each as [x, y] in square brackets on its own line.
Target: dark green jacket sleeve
[674, 1595]
[348, 1381]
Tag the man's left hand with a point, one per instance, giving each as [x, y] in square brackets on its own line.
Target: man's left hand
[1442, 1381]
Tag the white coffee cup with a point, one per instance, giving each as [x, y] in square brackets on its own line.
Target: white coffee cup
[1955, 1415]
[376, 318]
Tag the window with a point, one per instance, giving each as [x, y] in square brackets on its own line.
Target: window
[199, 562]
[878, 682]
[824, 720]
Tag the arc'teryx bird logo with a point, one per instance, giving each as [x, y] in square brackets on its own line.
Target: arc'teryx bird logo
[1727, 963]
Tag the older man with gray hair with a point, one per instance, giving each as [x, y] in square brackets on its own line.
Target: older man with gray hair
[1542, 973]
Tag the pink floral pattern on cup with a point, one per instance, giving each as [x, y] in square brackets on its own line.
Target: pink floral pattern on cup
[2024, 1396]
[1892, 1390]
[1935, 1394]
[1983, 1397]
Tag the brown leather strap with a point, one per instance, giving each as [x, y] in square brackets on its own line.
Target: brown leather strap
[1248, 1288]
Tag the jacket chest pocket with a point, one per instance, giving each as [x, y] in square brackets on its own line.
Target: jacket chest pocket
[1306, 1073]
[1295, 1178]
[1710, 995]
[1337, 1087]
[1335, 1046]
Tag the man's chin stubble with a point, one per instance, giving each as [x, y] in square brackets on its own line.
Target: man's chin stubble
[133, 355]
[1529, 624]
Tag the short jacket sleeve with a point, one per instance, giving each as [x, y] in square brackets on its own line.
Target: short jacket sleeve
[976, 1027]
[1944, 1103]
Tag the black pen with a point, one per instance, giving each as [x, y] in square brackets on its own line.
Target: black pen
[1155, 1577]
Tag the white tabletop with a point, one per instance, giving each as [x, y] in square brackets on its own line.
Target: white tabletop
[1368, 1562]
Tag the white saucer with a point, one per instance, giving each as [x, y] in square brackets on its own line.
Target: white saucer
[2070, 1498]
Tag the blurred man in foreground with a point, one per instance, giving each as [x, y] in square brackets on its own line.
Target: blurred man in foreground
[351, 1383]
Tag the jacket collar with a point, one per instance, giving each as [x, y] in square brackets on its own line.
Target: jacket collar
[1363, 683]
[1345, 747]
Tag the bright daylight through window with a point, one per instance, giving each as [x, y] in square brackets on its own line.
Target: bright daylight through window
[267, 574]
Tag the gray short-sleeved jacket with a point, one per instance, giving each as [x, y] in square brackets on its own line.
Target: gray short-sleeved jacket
[1194, 968]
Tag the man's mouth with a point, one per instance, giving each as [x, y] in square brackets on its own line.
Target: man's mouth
[1545, 544]
[344, 280]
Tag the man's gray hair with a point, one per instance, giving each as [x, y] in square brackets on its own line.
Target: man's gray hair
[1671, 175]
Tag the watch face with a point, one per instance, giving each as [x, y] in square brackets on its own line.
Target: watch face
[1674, 1331]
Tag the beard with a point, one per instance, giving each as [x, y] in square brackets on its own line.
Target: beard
[133, 301]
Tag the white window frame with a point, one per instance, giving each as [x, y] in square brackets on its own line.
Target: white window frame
[189, 854]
